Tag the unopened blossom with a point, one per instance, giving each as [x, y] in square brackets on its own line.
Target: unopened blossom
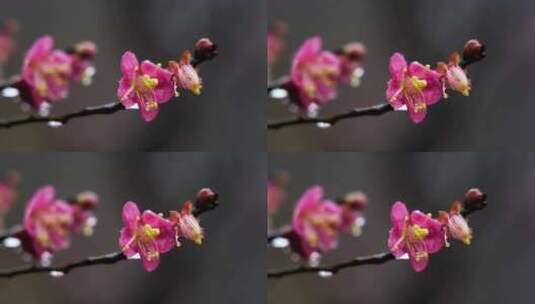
[82, 55]
[187, 225]
[7, 196]
[84, 217]
[46, 72]
[316, 222]
[314, 74]
[275, 196]
[145, 85]
[415, 86]
[416, 234]
[274, 48]
[47, 222]
[352, 218]
[454, 75]
[351, 56]
[185, 75]
[147, 234]
[456, 224]
[7, 40]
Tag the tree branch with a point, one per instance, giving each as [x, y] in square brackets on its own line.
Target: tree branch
[326, 122]
[107, 259]
[374, 259]
[105, 109]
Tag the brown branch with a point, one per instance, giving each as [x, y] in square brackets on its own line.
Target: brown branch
[105, 109]
[376, 110]
[107, 259]
[470, 207]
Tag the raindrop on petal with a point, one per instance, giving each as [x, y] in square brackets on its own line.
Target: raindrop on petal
[280, 242]
[403, 257]
[56, 274]
[278, 93]
[55, 124]
[135, 257]
[325, 274]
[403, 108]
[323, 125]
[11, 242]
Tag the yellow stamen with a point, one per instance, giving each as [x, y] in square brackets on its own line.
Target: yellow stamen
[419, 232]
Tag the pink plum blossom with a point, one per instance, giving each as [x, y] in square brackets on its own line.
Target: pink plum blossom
[317, 222]
[185, 75]
[187, 225]
[145, 85]
[47, 222]
[147, 234]
[415, 86]
[454, 76]
[455, 224]
[314, 74]
[46, 72]
[417, 235]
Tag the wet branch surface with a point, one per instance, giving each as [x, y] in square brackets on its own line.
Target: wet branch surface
[376, 110]
[375, 259]
[105, 109]
[106, 259]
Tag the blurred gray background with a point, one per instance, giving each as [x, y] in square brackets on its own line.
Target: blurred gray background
[496, 268]
[158, 30]
[227, 268]
[498, 114]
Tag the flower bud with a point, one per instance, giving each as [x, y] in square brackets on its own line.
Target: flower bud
[474, 51]
[206, 197]
[87, 200]
[205, 49]
[475, 199]
[354, 51]
[356, 200]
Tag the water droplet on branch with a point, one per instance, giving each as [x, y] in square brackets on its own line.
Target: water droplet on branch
[11, 242]
[56, 273]
[323, 125]
[280, 242]
[278, 93]
[325, 274]
[10, 92]
[55, 124]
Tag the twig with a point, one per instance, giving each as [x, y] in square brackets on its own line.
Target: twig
[325, 122]
[105, 109]
[330, 270]
[107, 259]
[376, 110]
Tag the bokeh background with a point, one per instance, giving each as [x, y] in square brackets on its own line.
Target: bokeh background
[496, 268]
[498, 114]
[227, 268]
[158, 30]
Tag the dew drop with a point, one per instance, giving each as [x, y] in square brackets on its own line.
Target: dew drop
[55, 124]
[133, 107]
[44, 109]
[46, 259]
[323, 125]
[403, 257]
[403, 108]
[135, 257]
[325, 274]
[56, 273]
[280, 242]
[11, 242]
[278, 93]
[314, 259]
[10, 92]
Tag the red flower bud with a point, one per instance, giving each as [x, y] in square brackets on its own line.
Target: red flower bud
[205, 49]
[474, 51]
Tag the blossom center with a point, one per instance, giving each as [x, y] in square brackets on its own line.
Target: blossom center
[149, 232]
[146, 83]
[419, 233]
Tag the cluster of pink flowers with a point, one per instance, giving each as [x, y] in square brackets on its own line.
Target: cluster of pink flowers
[316, 73]
[146, 84]
[149, 234]
[49, 222]
[317, 222]
[417, 235]
[46, 71]
[416, 86]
